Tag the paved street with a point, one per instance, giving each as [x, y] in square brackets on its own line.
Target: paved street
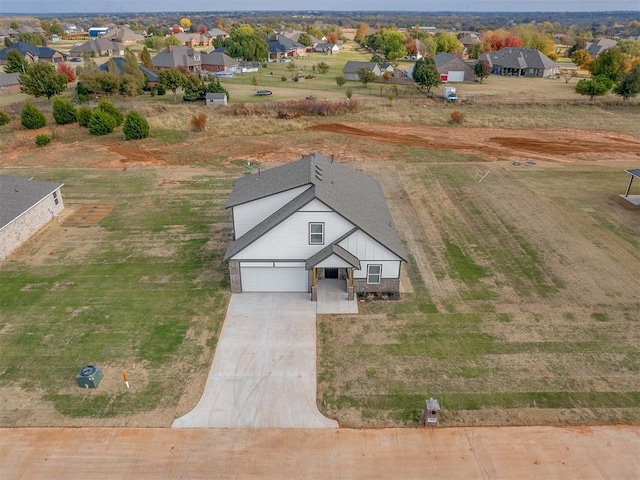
[522, 453]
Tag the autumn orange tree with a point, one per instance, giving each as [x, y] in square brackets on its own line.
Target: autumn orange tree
[492, 41]
[67, 71]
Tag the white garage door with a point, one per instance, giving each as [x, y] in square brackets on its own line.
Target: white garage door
[273, 277]
[456, 76]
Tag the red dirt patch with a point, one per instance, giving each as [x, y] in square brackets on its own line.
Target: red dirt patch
[89, 215]
[493, 144]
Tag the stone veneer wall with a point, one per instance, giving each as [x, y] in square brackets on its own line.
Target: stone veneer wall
[19, 231]
[234, 276]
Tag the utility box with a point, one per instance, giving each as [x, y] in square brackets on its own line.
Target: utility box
[430, 413]
[90, 376]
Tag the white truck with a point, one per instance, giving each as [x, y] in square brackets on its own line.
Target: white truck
[450, 94]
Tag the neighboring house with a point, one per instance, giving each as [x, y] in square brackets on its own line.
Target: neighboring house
[151, 76]
[299, 223]
[25, 206]
[280, 46]
[9, 33]
[32, 53]
[350, 70]
[123, 35]
[9, 83]
[178, 56]
[520, 62]
[99, 47]
[453, 69]
[596, 48]
[70, 28]
[194, 39]
[216, 32]
[326, 48]
[219, 62]
[468, 40]
[216, 99]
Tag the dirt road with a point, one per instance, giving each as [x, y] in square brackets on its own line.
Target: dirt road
[463, 453]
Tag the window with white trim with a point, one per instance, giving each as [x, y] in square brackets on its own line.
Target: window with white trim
[55, 198]
[316, 233]
[374, 274]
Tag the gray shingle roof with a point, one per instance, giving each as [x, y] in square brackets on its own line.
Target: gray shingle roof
[119, 61]
[176, 56]
[23, 48]
[282, 44]
[19, 194]
[97, 45]
[356, 197]
[599, 46]
[353, 66]
[329, 250]
[9, 79]
[635, 172]
[218, 58]
[519, 58]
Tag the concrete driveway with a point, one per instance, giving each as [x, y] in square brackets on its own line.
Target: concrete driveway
[264, 368]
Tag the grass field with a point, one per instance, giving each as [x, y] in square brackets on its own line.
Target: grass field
[140, 291]
[520, 302]
[524, 307]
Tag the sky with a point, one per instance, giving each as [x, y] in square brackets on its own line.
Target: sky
[109, 6]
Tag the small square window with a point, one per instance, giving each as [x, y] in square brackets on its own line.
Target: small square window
[374, 273]
[316, 234]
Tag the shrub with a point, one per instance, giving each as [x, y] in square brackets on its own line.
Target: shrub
[82, 94]
[42, 140]
[107, 107]
[63, 111]
[135, 126]
[4, 118]
[283, 78]
[32, 118]
[101, 123]
[84, 115]
[457, 117]
[161, 90]
[199, 122]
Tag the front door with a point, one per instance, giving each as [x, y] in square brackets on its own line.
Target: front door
[330, 273]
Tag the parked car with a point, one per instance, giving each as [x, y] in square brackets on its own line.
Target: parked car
[75, 59]
[261, 93]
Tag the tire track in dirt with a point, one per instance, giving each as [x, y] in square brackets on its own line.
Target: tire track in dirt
[415, 224]
[492, 143]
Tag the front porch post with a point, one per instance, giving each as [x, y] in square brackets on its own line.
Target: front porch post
[314, 285]
[350, 290]
[626, 194]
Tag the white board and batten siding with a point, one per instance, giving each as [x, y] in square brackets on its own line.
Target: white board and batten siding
[369, 251]
[248, 215]
[290, 239]
[390, 268]
[273, 277]
[333, 262]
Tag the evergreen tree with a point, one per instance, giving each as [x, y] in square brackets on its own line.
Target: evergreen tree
[16, 63]
[31, 117]
[145, 58]
[41, 80]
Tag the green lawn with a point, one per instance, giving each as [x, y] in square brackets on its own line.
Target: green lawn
[530, 315]
[143, 291]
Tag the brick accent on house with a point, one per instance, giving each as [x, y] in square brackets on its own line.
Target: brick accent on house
[234, 276]
[385, 285]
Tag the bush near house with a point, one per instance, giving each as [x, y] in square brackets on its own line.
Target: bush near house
[135, 126]
[31, 117]
[4, 118]
[64, 112]
[101, 123]
[42, 140]
[107, 107]
[84, 116]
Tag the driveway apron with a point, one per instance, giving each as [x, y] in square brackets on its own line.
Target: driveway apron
[264, 368]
